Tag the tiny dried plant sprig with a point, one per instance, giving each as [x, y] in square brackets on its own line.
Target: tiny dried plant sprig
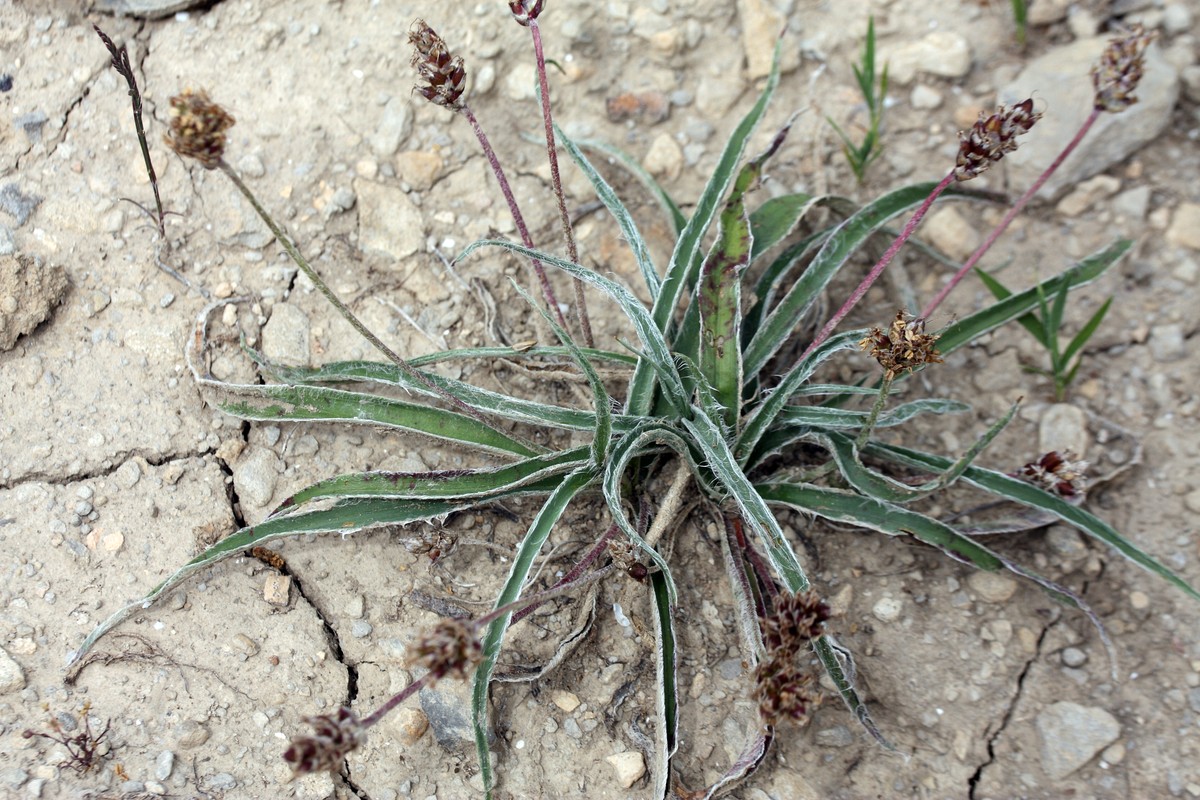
[443, 83]
[1114, 80]
[85, 749]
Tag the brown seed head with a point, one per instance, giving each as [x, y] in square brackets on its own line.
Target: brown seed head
[795, 619]
[1120, 68]
[445, 78]
[784, 691]
[526, 10]
[991, 137]
[449, 648]
[198, 128]
[334, 737]
[904, 347]
[1063, 474]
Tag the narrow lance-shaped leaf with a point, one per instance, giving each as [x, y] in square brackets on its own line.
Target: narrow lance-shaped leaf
[666, 692]
[527, 551]
[681, 272]
[678, 220]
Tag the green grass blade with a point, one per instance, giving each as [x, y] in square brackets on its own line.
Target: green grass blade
[275, 403]
[842, 243]
[684, 265]
[345, 516]
[831, 656]
[975, 325]
[666, 691]
[631, 164]
[629, 229]
[1085, 334]
[530, 475]
[825, 417]
[1029, 321]
[851, 508]
[657, 354]
[729, 474]
[1029, 495]
[493, 638]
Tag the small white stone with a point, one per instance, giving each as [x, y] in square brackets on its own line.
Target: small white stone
[992, 587]
[925, 98]
[11, 677]
[1185, 226]
[630, 766]
[567, 701]
[888, 609]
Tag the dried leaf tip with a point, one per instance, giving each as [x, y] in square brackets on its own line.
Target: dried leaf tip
[991, 137]
[444, 76]
[449, 648]
[334, 737]
[1120, 69]
[904, 347]
[525, 10]
[198, 128]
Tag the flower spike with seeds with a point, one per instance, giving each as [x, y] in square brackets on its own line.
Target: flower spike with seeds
[526, 10]
[990, 138]
[444, 74]
[1120, 69]
[334, 737]
[783, 690]
[904, 347]
[449, 648]
[198, 128]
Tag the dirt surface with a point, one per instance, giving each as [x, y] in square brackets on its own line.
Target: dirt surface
[113, 470]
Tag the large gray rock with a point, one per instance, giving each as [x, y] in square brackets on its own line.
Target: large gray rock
[1060, 83]
[1072, 735]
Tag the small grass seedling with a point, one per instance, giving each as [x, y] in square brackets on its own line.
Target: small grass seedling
[874, 91]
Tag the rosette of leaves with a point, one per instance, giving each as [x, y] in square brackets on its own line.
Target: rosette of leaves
[711, 389]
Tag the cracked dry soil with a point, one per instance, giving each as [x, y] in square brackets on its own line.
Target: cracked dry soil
[113, 470]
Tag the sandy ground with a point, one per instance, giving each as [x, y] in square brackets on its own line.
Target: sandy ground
[113, 470]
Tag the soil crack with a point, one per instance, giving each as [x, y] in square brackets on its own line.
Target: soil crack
[118, 460]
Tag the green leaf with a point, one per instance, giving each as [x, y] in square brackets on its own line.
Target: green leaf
[825, 417]
[1085, 333]
[493, 638]
[657, 354]
[681, 272]
[1029, 495]
[832, 657]
[344, 517]
[839, 247]
[666, 731]
[971, 327]
[730, 475]
[273, 403]
[530, 475]
[1029, 321]
[637, 245]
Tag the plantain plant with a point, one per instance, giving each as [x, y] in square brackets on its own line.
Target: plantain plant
[716, 405]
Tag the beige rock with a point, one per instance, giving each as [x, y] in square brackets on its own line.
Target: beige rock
[941, 53]
[567, 701]
[12, 679]
[420, 169]
[630, 766]
[411, 724]
[664, 159]
[950, 232]
[389, 222]
[1185, 226]
[761, 26]
[29, 289]
[276, 589]
[992, 587]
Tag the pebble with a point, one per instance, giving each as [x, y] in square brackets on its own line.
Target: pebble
[190, 734]
[1185, 226]
[950, 232]
[155, 788]
[1176, 19]
[630, 766]
[420, 169]
[447, 707]
[925, 98]
[163, 765]
[664, 159]
[222, 781]
[1067, 542]
[360, 629]
[1191, 88]
[1132, 204]
[1072, 734]
[521, 82]
[941, 53]
[1087, 194]
[888, 609]
[412, 724]
[1167, 342]
[276, 589]
[1059, 81]
[35, 786]
[835, 736]
[389, 222]
[762, 22]
[32, 289]
[285, 337]
[571, 728]
[1192, 501]
[255, 474]
[1074, 657]
[395, 124]
[1063, 427]
[128, 474]
[12, 679]
[992, 587]
[567, 701]
[1139, 601]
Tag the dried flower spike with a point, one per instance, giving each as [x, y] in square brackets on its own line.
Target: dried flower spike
[450, 648]
[795, 619]
[1120, 68]
[1062, 474]
[525, 10]
[783, 691]
[991, 137]
[444, 75]
[198, 128]
[334, 737]
[904, 347]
